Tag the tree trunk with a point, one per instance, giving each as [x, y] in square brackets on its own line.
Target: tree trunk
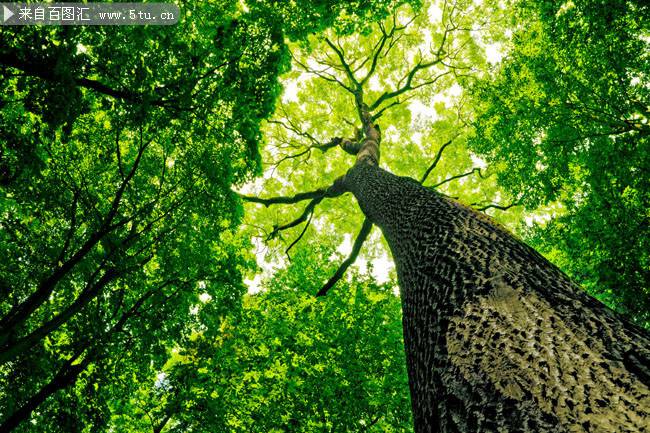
[497, 338]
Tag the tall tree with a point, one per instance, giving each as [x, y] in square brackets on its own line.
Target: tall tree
[497, 338]
[119, 149]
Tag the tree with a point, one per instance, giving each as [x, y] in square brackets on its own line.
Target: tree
[122, 280]
[497, 338]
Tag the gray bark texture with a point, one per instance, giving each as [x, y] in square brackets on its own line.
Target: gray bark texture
[497, 338]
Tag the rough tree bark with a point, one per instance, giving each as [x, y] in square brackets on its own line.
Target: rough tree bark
[497, 338]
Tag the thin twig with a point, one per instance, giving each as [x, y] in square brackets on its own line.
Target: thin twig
[302, 233]
[435, 161]
[458, 176]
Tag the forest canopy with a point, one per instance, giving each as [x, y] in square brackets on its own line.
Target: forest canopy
[170, 200]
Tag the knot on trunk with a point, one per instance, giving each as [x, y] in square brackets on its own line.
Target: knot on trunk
[369, 152]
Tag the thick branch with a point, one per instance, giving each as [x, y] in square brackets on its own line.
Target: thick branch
[46, 72]
[408, 85]
[369, 149]
[377, 51]
[161, 425]
[356, 248]
[65, 376]
[21, 312]
[89, 293]
[350, 146]
[319, 193]
[336, 189]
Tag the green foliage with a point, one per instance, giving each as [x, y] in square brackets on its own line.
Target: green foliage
[213, 73]
[567, 117]
[301, 18]
[119, 147]
[415, 124]
[122, 302]
[287, 362]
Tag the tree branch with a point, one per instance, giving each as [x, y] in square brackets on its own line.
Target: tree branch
[290, 126]
[496, 206]
[356, 248]
[408, 83]
[378, 48]
[346, 67]
[310, 195]
[435, 161]
[336, 189]
[458, 176]
[323, 74]
[315, 144]
[7, 353]
[306, 213]
[302, 233]
[47, 72]
[438, 57]
[65, 376]
[380, 113]
[21, 312]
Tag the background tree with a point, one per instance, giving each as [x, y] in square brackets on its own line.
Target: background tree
[119, 148]
[566, 116]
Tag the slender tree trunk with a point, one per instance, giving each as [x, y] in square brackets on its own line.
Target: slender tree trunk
[497, 338]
